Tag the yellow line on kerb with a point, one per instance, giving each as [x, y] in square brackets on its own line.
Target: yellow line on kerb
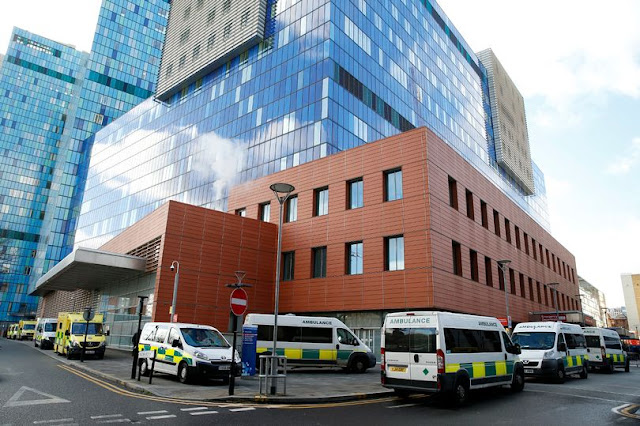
[127, 393]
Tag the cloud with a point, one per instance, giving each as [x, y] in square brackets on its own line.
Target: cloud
[624, 164]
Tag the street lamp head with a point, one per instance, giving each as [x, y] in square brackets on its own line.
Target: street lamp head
[503, 263]
[175, 264]
[553, 284]
[282, 188]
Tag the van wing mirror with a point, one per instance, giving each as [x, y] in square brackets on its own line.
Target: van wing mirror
[66, 333]
[176, 343]
[562, 347]
[516, 350]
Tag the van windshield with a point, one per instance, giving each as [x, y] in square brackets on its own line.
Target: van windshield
[593, 341]
[80, 327]
[29, 327]
[49, 326]
[534, 340]
[203, 338]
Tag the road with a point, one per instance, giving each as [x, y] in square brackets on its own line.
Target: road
[37, 389]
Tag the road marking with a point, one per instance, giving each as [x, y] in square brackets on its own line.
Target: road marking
[578, 396]
[14, 401]
[144, 413]
[168, 416]
[106, 416]
[194, 409]
[115, 421]
[405, 405]
[202, 413]
[628, 411]
[40, 422]
[235, 410]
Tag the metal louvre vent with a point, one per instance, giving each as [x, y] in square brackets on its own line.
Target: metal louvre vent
[150, 251]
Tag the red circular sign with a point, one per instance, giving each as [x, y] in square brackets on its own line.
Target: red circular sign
[239, 301]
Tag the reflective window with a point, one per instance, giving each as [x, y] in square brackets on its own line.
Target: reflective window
[319, 259]
[321, 201]
[393, 185]
[291, 209]
[288, 263]
[394, 256]
[355, 193]
[354, 258]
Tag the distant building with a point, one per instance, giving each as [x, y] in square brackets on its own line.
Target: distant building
[631, 291]
[593, 302]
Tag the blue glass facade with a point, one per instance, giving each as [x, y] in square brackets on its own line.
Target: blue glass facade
[53, 99]
[329, 75]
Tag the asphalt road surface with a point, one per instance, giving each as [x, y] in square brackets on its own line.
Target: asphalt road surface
[36, 389]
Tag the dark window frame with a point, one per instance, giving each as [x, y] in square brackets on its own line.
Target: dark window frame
[319, 262]
[496, 223]
[473, 260]
[469, 201]
[321, 206]
[392, 173]
[453, 193]
[483, 214]
[456, 255]
[349, 257]
[288, 266]
[359, 182]
[387, 259]
[488, 271]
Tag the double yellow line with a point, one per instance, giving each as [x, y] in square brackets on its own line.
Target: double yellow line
[118, 390]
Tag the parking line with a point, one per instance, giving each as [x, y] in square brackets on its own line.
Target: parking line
[106, 416]
[146, 413]
[235, 410]
[202, 413]
[40, 422]
[194, 409]
[116, 421]
[168, 416]
[578, 396]
[405, 405]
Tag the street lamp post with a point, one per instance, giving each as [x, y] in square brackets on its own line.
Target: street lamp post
[555, 298]
[282, 192]
[502, 264]
[175, 265]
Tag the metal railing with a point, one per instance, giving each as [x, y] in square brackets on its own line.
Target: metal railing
[266, 376]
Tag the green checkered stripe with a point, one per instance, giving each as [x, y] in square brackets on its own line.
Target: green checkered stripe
[167, 354]
[478, 370]
[311, 354]
[617, 358]
[574, 361]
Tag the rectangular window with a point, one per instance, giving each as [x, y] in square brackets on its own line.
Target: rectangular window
[288, 263]
[460, 340]
[512, 281]
[319, 259]
[507, 229]
[355, 193]
[393, 185]
[321, 201]
[533, 249]
[453, 193]
[548, 262]
[546, 295]
[265, 212]
[553, 261]
[522, 289]
[500, 278]
[539, 292]
[473, 258]
[496, 222]
[457, 258]
[414, 340]
[483, 213]
[541, 256]
[394, 253]
[526, 242]
[469, 197]
[531, 294]
[488, 273]
[241, 212]
[517, 238]
[354, 258]
[292, 209]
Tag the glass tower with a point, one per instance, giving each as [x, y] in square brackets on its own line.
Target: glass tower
[327, 76]
[53, 99]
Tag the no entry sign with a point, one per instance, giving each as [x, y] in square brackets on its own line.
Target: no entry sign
[239, 301]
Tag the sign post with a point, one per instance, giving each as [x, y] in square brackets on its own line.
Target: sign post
[87, 315]
[238, 303]
[136, 337]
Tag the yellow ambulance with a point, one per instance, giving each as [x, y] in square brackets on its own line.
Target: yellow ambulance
[12, 333]
[70, 334]
[26, 329]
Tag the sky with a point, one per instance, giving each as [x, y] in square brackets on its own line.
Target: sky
[577, 64]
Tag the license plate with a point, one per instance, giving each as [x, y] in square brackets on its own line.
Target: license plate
[224, 367]
[398, 369]
[90, 352]
[528, 371]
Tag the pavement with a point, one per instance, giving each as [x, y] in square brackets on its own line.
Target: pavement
[303, 385]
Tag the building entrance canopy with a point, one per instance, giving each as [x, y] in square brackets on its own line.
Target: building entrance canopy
[89, 269]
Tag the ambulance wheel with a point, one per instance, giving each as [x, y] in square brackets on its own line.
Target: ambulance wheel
[584, 373]
[460, 395]
[560, 375]
[144, 368]
[183, 373]
[626, 366]
[359, 365]
[35, 344]
[517, 382]
[609, 367]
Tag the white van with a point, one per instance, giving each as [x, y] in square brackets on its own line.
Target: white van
[312, 341]
[45, 333]
[605, 349]
[443, 352]
[187, 351]
[552, 349]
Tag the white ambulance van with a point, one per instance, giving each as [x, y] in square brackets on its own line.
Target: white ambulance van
[45, 335]
[448, 353]
[552, 349]
[605, 349]
[188, 351]
[312, 342]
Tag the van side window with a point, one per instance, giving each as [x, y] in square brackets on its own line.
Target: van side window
[316, 335]
[575, 341]
[148, 333]
[560, 339]
[346, 338]
[173, 335]
[471, 341]
[161, 334]
[612, 343]
[508, 344]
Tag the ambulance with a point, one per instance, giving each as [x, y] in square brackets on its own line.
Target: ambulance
[312, 342]
[45, 333]
[26, 329]
[70, 333]
[552, 349]
[188, 351]
[447, 353]
[605, 349]
[12, 333]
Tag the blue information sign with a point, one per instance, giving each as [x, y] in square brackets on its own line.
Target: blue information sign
[249, 343]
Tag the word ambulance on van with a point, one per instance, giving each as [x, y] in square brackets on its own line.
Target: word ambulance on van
[605, 349]
[552, 349]
[448, 353]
